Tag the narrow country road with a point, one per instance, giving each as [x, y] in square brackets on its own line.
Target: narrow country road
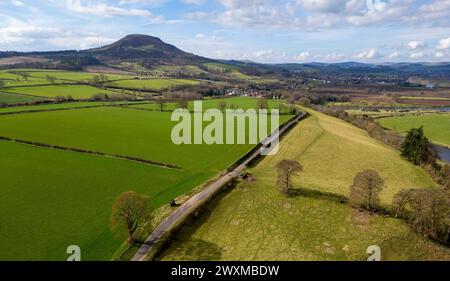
[191, 205]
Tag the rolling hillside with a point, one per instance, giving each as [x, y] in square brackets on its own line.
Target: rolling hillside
[256, 222]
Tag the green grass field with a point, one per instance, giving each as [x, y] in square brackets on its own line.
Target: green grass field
[52, 199]
[12, 80]
[57, 198]
[111, 130]
[119, 131]
[74, 76]
[51, 91]
[256, 222]
[67, 105]
[39, 77]
[15, 98]
[153, 84]
[166, 70]
[436, 126]
[228, 70]
[349, 150]
[239, 102]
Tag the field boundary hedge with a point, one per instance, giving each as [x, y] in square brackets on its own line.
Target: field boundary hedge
[92, 152]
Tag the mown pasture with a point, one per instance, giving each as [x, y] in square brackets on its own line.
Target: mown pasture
[436, 126]
[256, 222]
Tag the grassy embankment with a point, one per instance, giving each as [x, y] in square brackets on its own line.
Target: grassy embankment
[256, 222]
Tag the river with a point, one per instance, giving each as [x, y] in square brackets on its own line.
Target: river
[443, 152]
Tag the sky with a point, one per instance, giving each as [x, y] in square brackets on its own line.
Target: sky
[268, 31]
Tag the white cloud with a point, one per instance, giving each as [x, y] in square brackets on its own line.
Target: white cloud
[394, 55]
[370, 54]
[149, 2]
[302, 56]
[104, 10]
[381, 12]
[29, 34]
[25, 32]
[435, 10]
[324, 6]
[335, 57]
[262, 53]
[444, 44]
[194, 2]
[417, 55]
[413, 45]
[439, 55]
[269, 55]
[200, 36]
[17, 3]
[80, 42]
[322, 14]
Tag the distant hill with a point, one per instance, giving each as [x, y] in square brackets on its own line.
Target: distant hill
[356, 68]
[143, 47]
[149, 52]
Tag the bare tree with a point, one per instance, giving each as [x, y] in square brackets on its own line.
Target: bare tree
[287, 169]
[400, 202]
[427, 210]
[365, 189]
[129, 212]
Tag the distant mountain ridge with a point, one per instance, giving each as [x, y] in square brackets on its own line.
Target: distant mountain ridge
[149, 51]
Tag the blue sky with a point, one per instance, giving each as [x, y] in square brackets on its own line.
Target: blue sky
[259, 30]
